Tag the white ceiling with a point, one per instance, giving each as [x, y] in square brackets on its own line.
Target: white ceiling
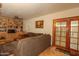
[29, 10]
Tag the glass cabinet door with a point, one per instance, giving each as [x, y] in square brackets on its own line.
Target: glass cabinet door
[74, 35]
[61, 34]
[57, 36]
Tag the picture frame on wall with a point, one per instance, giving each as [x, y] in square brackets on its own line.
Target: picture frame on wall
[39, 24]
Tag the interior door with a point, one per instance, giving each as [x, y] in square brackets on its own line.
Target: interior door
[60, 33]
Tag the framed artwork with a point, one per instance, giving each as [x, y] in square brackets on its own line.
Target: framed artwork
[39, 24]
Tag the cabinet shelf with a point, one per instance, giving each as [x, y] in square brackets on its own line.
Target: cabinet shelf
[10, 23]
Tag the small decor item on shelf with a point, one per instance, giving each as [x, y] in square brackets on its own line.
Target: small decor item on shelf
[16, 17]
[39, 24]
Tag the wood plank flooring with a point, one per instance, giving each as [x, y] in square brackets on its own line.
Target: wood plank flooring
[51, 52]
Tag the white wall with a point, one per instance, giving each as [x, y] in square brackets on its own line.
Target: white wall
[29, 25]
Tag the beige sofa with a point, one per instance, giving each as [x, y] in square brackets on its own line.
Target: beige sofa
[29, 46]
[33, 46]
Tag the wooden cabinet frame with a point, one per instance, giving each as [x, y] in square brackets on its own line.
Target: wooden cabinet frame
[68, 32]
